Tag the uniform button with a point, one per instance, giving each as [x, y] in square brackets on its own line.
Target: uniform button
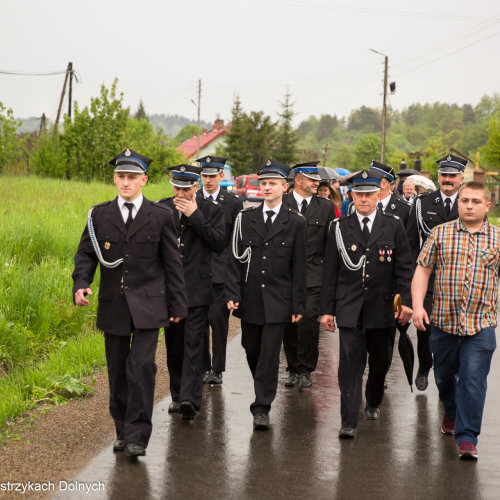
[126, 271]
[263, 286]
[367, 249]
[266, 244]
[317, 222]
[182, 225]
[366, 288]
[127, 255]
[367, 261]
[182, 244]
[126, 288]
[264, 257]
[263, 272]
[367, 275]
[282, 242]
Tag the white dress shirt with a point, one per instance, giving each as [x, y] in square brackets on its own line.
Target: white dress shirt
[452, 198]
[299, 199]
[369, 224]
[206, 194]
[124, 210]
[265, 208]
[385, 201]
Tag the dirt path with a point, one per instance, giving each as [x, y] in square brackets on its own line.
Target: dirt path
[55, 442]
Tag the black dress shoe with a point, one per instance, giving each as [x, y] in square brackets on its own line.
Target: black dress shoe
[215, 378]
[292, 380]
[135, 450]
[118, 445]
[261, 421]
[187, 410]
[347, 433]
[206, 376]
[173, 407]
[421, 380]
[372, 412]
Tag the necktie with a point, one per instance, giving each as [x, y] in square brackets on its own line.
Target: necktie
[209, 197]
[269, 220]
[380, 206]
[304, 207]
[129, 221]
[447, 206]
[366, 231]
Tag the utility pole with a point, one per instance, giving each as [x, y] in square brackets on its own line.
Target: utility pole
[325, 154]
[198, 125]
[42, 124]
[70, 66]
[70, 94]
[384, 107]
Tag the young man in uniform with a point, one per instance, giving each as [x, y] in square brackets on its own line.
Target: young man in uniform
[268, 282]
[301, 339]
[212, 173]
[142, 289]
[367, 261]
[200, 230]
[428, 211]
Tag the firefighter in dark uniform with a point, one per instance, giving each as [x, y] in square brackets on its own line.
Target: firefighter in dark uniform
[141, 290]
[212, 173]
[267, 287]
[201, 232]
[389, 202]
[301, 339]
[428, 211]
[367, 259]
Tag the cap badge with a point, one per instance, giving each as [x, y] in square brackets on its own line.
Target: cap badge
[448, 157]
[268, 163]
[107, 245]
[364, 175]
[128, 153]
[183, 168]
[208, 160]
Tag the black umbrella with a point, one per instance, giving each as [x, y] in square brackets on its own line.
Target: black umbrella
[408, 171]
[405, 346]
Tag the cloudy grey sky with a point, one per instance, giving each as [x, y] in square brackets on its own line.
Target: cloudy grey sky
[446, 50]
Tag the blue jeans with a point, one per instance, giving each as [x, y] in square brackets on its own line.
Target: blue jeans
[461, 365]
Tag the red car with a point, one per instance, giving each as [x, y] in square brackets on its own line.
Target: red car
[248, 187]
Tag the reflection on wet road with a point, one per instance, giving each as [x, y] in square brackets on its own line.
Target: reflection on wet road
[219, 456]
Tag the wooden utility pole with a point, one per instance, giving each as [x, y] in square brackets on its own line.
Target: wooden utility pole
[384, 111]
[43, 124]
[325, 153]
[70, 66]
[198, 125]
[70, 94]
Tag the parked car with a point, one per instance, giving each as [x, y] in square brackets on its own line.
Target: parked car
[248, 187]
[240, 186]
[227, 181]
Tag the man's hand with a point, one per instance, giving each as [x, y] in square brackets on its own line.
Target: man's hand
[404, 316]
[231, 305]
[187, 207]
[175, 319]
[420, 318]
[328, 322]
[296, 318]
[80, 299]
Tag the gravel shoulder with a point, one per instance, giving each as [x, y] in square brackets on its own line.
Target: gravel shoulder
[53, 443]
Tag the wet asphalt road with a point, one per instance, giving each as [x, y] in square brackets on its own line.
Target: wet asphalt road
[219, 456]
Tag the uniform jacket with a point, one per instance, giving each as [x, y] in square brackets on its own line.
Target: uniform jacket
[344, 294]
[398, 206]
[199, 235]
[319, 213]
[433, 214]
[231, 205]
[276, 284]
[150, 281]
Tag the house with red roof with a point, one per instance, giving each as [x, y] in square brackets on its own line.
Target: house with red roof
[208, 141]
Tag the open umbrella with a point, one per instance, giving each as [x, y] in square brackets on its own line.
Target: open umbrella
[422, 181]
[329, 174]
[405, 346]
[342, 171]
[346, 179]
[408, 171]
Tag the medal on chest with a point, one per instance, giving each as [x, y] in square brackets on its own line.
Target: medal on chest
[382, 255]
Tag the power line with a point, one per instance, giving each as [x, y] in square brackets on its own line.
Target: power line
[30, 73]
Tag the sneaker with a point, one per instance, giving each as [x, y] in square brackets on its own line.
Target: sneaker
[305, 380]
[467, 451]
[372, 412]
[448, 425]
[292, 380]
[347, 433]
[422, 380]
[215, 378]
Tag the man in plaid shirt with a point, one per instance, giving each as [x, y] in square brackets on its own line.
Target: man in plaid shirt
[465, 254]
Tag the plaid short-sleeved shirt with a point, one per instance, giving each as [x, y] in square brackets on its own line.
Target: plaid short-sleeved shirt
[466, 285]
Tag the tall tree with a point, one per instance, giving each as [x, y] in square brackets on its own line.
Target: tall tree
[235, 141]
[258, 133]
[141, 112]
[285, 143]
[367, 148]
[10, 144]
[327, 125]
[492, 147]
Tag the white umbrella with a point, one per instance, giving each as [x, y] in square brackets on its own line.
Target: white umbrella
[328, 174]
[422, 181]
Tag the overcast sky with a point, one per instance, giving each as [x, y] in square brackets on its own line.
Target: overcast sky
[446, 50]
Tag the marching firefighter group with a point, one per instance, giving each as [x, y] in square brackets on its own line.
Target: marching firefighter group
[285, 267]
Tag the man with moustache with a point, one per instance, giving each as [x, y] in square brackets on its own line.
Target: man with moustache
[428, 211]
[267, 287]
[201, 232]
[212, 173]
[301, 339]
[142, 289]
[367, 261]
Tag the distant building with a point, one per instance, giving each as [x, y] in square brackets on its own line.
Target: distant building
[469, 168]
[208, 141]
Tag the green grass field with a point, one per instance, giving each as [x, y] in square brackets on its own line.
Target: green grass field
[46, 343]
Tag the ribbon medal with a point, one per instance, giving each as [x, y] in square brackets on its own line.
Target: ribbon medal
[382, 254]
[107, 245]
[389, 253]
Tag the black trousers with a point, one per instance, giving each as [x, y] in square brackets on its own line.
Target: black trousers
[301, 339]
[262, 344]
[356, 345]
[184, 342]
[423, 349]
[218, 319]
[132, 373]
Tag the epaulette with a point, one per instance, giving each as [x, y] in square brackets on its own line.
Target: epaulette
[402, 201]
[294, 212]
[247, 209]
[390, 215]
[161, 205]
[162, 200]
[321, 199]
[232, 194]
[102, 204]
[424, 194]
